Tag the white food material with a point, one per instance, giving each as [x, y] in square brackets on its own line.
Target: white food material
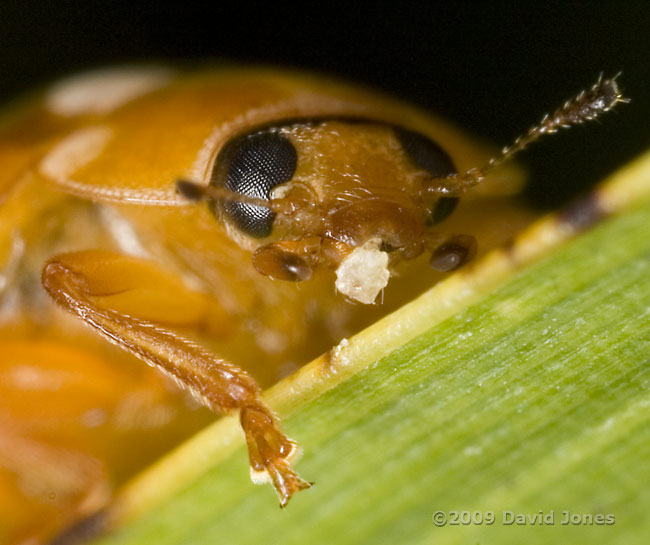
[364, 273]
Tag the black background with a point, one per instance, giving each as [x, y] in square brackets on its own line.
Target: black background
[493, 69]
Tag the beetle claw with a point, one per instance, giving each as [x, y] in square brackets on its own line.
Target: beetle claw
[270, 453]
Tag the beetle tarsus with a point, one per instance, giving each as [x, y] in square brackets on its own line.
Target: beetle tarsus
[270, 453]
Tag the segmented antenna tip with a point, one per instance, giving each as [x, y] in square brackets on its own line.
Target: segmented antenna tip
[589, 104]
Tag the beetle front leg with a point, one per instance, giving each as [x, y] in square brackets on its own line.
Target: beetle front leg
[81, 283]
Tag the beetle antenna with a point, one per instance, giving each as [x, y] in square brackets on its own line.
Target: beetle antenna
[191, 190]
[587, 105]
[196, 192]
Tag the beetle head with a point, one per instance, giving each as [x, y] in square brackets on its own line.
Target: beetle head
[340, 192]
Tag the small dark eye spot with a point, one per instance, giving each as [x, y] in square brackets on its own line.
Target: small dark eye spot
[252, 165]
[425, 153]
[443, 208]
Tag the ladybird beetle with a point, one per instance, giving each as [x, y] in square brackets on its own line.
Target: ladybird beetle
[218, 225]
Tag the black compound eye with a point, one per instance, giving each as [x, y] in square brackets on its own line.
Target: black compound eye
[425, 153]
[252, 165]
[443, 208]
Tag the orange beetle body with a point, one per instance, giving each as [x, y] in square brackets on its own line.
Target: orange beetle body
[123, 193]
